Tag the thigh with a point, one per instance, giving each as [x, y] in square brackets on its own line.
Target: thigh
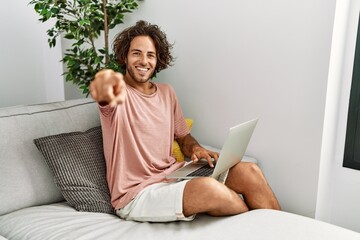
[207, 195]
[160, 202]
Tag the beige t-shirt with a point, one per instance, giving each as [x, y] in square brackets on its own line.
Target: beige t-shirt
[137, 137]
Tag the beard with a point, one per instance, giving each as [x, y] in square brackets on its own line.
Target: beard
[138, 79]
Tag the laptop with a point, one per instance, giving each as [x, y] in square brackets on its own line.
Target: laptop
[231, 153]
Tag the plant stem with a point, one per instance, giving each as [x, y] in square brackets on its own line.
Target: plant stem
[106, 30]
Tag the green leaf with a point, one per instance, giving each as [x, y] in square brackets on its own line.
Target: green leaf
[38, 7]
[103, 51]
[84, 22]
[68, 77]
[52, 42]
[55, 10]
[69, 36]
[86, 90]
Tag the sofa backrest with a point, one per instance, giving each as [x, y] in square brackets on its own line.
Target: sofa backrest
[25, 179]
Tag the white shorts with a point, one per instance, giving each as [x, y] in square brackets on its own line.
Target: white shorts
[160, 202]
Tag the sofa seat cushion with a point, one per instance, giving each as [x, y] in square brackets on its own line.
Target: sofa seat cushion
[60, 221]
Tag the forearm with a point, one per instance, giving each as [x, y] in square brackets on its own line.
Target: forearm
[192, 149]
[188, 145]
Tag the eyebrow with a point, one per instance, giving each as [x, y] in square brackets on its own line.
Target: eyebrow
[138, 50]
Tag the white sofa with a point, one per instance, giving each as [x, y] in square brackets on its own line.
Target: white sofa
[32, 207]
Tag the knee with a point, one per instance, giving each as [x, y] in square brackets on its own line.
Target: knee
[249, 172]
[253, 169]
[255, 172]
[216, 191]
[247, 168]
[210, 184]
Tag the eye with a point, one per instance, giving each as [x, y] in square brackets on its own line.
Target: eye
[151, 56]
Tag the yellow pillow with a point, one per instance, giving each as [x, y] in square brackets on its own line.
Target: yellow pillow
[177, 154]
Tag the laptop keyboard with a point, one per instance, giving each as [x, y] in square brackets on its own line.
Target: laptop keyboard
[205, 171]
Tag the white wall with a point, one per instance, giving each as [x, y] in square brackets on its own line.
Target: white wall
[237, 60]
[29, 71]
[339, 192]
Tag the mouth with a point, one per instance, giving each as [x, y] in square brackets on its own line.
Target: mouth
[142, 69]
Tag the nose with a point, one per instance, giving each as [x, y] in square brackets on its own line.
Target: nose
[144, 59]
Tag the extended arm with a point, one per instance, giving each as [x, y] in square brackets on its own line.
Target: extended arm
[191, 148]
[108, 87]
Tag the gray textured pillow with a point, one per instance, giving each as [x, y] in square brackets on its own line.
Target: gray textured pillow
[77, 162]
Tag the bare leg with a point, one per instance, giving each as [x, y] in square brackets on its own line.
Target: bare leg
[207, 195]
[248, 179]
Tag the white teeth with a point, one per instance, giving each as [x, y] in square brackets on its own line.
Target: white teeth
[142, 69]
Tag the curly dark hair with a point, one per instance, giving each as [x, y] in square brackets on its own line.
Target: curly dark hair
[122, 42]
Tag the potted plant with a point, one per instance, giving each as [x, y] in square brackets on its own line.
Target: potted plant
[83, 21]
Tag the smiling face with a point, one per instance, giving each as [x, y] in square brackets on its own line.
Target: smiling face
[141, 60]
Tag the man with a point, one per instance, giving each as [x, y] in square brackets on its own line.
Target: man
[140, 119]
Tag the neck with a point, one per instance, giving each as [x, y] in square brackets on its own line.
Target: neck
[146, 87]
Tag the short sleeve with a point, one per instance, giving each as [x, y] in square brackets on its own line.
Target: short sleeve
[105, 110]
[180, 127]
